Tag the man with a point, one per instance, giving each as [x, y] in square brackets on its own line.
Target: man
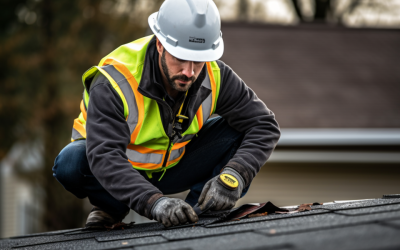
[146, 130]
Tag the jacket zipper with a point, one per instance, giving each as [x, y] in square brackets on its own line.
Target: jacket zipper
[169, 138]
[167, 154]
[162, 102]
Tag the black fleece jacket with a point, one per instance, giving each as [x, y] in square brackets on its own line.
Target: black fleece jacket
[108, 132]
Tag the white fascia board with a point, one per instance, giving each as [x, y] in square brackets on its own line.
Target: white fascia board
[336, 137]
[299, 156]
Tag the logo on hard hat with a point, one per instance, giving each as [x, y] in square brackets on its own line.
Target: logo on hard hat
[193, 39]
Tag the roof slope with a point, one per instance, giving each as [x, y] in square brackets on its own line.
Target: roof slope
[372, 224]
[319, 76]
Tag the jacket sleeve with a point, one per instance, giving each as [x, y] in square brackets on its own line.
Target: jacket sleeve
[246, 113]
[107, 138]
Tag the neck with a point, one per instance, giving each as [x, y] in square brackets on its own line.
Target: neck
[171, 92]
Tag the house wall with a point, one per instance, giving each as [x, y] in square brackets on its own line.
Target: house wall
[14, 217]
[295, 183]
[20, 204]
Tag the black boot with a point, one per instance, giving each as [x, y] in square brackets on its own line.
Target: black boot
[101, 219]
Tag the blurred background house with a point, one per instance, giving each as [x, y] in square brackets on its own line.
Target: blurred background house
[327, 68]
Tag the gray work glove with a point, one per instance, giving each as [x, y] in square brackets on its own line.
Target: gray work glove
[223, 189]
[172, 211]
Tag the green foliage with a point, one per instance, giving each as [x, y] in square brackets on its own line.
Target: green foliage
[45, 46]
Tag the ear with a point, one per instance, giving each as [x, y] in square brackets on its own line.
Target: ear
[160, 47]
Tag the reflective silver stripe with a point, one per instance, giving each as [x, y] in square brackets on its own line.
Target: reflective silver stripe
[207, 108]
[128, 93]
[135, 156]
[206, 82]
[76, 135]
[208, 101]
[176, 153]
[84, 101]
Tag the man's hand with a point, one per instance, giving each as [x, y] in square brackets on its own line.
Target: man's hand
[225, 189]
[172, 211]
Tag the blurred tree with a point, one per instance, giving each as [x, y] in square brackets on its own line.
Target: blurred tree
[45, 46]
[243, 10]
[336, 10]
[322, 10]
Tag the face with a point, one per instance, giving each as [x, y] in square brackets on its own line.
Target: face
[180, 74]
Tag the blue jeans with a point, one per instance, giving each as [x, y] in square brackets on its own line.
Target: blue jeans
[204, 159]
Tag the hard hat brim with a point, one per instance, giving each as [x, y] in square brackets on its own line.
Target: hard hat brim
[183, 53]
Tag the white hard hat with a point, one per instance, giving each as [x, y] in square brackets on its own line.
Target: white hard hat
[189, 29]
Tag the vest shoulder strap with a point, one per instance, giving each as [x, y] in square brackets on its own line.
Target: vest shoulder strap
[215, 79]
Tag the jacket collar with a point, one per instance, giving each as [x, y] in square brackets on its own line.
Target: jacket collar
[153, 88]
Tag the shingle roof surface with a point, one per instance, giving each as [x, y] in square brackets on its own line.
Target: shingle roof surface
[319, 76]
[373, 224]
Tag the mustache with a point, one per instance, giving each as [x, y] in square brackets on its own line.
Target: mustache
[183, 78]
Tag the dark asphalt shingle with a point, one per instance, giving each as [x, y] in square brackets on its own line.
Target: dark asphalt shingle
[368, 236]
[357, 237]
[370, 210]
[93, 244]
[373, 224]
[393, 223]
[232, 241]
[358, 204]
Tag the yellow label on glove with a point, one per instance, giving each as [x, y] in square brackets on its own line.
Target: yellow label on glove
[229, 181]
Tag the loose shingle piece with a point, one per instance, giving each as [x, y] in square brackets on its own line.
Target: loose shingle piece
[372, 224]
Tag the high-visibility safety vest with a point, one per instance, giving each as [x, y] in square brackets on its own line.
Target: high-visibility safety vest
[150, 148]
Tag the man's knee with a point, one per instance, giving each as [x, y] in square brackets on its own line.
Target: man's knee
[68, 164]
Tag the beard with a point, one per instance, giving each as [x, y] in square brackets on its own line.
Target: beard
[171, 80]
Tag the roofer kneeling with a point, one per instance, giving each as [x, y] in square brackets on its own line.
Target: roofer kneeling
[146, 130]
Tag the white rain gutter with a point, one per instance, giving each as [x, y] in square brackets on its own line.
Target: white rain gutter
[337, 137]
[297, 156]
[344, 137]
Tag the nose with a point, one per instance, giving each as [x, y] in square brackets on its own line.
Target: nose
[188, 69]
